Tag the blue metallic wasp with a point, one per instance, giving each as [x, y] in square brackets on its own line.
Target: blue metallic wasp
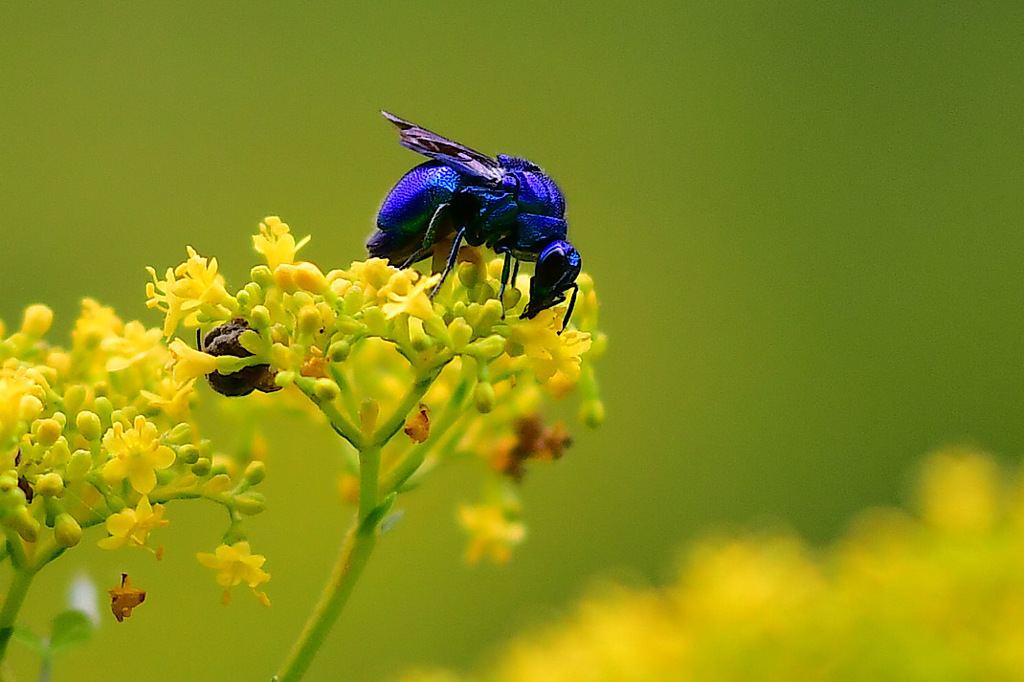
[508, 204]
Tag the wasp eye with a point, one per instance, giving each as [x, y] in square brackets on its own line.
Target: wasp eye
[558, 261]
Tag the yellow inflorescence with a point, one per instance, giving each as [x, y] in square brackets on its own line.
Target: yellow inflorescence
[101, 434]
[371, 341]
[932, 596]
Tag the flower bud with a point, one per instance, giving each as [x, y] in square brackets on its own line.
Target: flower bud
[74, 397]
[255, 472]
[250, 502]
[483, 396]
[66, 530]
[338, 351]
[326, 390]
[188, 453]
[202, 466]
[24, 524]
[489, 348]
[37, 321]
[309, 277]
[88, 424]
[79, 465]
[260, 317]
[592, 413]
[217, 484]
[47, 431]
[180, 434]
[262, 276]
[461, 334]
[49, 485]
[308, 321]
[30, 408]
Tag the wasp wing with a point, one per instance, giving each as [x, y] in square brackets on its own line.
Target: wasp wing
[459, 157]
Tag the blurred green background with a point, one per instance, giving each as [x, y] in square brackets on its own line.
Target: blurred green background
[804, 221]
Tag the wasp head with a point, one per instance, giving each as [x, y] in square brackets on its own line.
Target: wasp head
[557, 269]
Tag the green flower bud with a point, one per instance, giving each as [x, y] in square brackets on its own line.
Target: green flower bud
[202, 466]
[88, 424]
[262, 275]
[47, 431]
[50, 485]
[326, 390]
[375, 321]
[180, 434]
[461, 334]
[74, 398]
[104, 409]
[592, 413]
[217, 484]
[79, 465]
[59, 452]
[259, 317]
[250, 502]
[483, 396]
[24, 524]
[353, 300]
[488, 348]
[66, 530]
[308, 322]
[243, 298]
[338, 351]
[188, 453]
[61, 419]
[255, 472]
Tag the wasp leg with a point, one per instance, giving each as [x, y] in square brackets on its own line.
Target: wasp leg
[440, 215]
[572, 303]
[504, 280]
[451, 261]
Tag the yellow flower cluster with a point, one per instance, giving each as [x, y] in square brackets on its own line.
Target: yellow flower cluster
[370, 348]
[101, 434]
[932, 596]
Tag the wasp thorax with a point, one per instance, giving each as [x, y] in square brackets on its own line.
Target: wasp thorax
[223, 340]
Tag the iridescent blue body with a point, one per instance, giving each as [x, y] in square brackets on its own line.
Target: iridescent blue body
[508, 204]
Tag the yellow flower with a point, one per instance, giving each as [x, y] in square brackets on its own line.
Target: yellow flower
[276, 242]
[190, 363]
[133, 347]
[552, 352]
[95, 324]
[410, 298]
[172, 397]
[186, 289]
[236, 564]
[492, 533]
[131, 526]
[137, 454]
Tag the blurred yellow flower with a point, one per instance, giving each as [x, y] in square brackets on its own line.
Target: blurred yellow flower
[491, 532]
[137, 454]
[236, 564]
[132, 526]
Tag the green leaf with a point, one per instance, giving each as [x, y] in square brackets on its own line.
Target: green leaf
[70, 628]
[28, 639]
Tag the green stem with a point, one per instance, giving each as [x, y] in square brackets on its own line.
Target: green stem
[340, 422]
[411, 400]
[409, 464]
[12, 604]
